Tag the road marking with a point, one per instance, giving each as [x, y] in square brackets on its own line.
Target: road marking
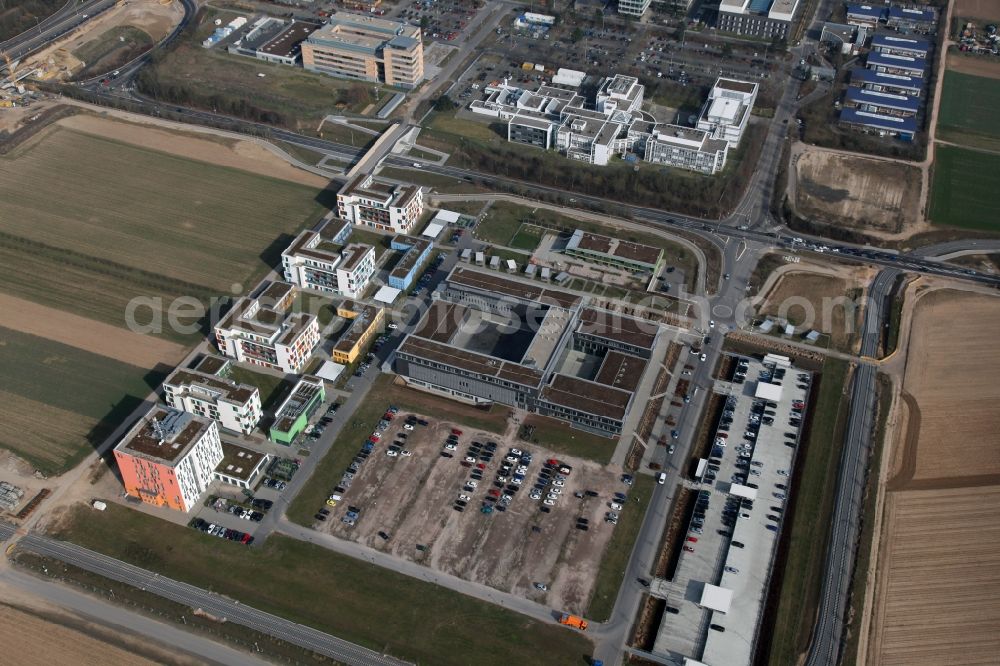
[742, 250]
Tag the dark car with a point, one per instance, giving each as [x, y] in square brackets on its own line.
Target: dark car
[320, 516]
[716, 627]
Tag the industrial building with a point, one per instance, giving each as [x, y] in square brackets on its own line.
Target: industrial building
[897, 45]
[371, 202]
[866, 15]
[366, 48]
[897, 64]
[262, 330]
[415, 252]
[366, 323]
[210, 394]
[757, 18]
[607, 251]
[885, 103]
[911, 19]
[292, 416]
[169, 457]
[488, 338]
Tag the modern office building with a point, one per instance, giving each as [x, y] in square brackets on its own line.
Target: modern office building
[867, 16]
[869, 79]
[366, 323]
[884, 103]
[236, 407]
[366, 48]
[488, 338]
[311, 261]
[168, 458]
[371, 202]
[240, 467]
[633, 7]
[685, 148]
[757, 18]
[898, 45]
[415, 252]
[897, 64]
[880, 124]
[607, 251]
[292, 416]
[726, 114]
[262, 330]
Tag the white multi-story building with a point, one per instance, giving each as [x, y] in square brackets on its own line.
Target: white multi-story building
[262, 331]
[356, 268]
[367, 201]
[620, 93]
[169, 457]
[686, 148]
[633, 7]
[236, 407]
[726, 114]
[319, 260]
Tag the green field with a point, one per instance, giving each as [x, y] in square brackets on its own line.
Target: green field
[351, 599]
[87, 224]
[814, 493]
[57, 402]
[112, 48]
[559, 437]
[963, 188]
[969, 108]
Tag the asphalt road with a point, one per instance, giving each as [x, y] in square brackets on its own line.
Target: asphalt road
[846, 524]
[66, 19]
[214, 604]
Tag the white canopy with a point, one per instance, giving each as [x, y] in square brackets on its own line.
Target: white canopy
[716, 598]
[387, 295]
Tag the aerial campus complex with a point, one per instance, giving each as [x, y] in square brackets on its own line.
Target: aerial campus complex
[630, 332]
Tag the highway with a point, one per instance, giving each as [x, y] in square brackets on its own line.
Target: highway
[72, 15]
[214, 604]
[846, 524]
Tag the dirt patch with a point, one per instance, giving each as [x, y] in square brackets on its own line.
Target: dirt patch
[939, 546]
[150, 16]
[411, 498]
[823, 303]
[988, 66]
[143, 351]
[223, 151]
[863, 194]
[981, 9]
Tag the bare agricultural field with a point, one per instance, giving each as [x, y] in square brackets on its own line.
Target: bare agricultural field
[117, 203]
[863, 194]
[410, 500]
[987, 66]
[939, 555]
[821, 302]
[982, 9]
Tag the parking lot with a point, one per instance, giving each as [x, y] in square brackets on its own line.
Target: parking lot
[743, 490]
[480, 507]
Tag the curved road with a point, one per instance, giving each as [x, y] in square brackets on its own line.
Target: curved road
[66, 19]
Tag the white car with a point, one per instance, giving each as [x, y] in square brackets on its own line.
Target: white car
[516, 482]
[711, 323]
[522, 469]
[555, 491]
[450, 447]
[472, 482]
[552, 496]
[407, 426]
[391, 453]
[615, 506]
[470, 459]
[535, 495]
[548, 502]
[465, 498]
[703, 357]
[515, 452]
[406, 453]
[558, 484]
[392, 327]
[782, 472]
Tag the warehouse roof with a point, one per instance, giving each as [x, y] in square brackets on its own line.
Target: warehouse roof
[883, 99]
[878, 121]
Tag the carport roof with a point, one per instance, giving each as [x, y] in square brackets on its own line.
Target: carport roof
[768, 391]
[716, 598]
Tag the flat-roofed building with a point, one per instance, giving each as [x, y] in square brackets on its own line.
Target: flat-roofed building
[889, 104]
[912, 19]
[240, 467]
[285, 48]
[311, 261]
[168, 458]
[262, 330]
[686, 148]
[867, 16]
[619, 93]
[726, 114]
[757, 18]
[869, 79]
[235, 406]
[633, 7]
[415, 252]
[875, 123]
[899, 45]
[608, 251]
[366, 48]
[897, 64]
[292, 416]
[372, 202]
[366, 323]
[355, 271]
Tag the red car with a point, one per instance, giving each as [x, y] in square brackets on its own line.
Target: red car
[494, 493]
[456, 431]
[388, 416]
[480, 466]
[693, 539]
[689, 549]
[374, 439]
[552, 461]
